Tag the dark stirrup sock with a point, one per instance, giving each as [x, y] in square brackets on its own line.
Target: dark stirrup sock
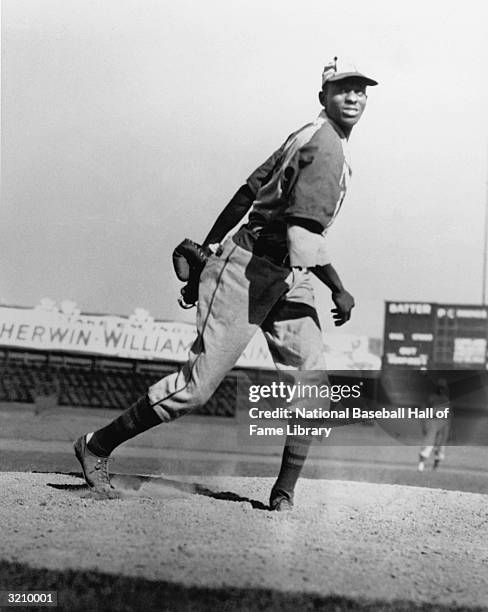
[294, 455]
[137, 418]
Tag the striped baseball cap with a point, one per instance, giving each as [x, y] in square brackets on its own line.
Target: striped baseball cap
[336, 70]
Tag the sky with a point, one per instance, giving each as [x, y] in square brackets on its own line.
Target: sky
[127, 125]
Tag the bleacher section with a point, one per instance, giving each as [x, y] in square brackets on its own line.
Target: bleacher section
[95, 383]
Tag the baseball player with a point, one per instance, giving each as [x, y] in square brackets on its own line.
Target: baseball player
[435, 431]
[259, 278]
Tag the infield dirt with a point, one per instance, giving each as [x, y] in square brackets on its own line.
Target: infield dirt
[194, 541]
[194, 533]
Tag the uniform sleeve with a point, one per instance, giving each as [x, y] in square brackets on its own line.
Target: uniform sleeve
[314, 178]
[262, 174]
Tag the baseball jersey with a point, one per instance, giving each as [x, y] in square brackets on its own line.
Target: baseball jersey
[305, 180]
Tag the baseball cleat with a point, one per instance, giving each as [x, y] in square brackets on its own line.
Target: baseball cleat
[95, 469]
[436, 464]
[421, 466]
[281, 503]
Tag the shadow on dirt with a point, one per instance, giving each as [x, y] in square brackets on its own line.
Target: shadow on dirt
[80, 590]
[135, 485]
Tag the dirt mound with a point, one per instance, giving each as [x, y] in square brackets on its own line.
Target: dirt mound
[345, 541]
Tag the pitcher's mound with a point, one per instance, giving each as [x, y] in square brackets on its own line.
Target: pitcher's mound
[357, 543]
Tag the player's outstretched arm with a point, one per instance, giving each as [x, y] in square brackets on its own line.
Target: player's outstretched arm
[242, 200]
[189, 258]
[231, 215]
[342, 299]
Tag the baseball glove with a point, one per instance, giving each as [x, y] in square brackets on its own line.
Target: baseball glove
[189, 259]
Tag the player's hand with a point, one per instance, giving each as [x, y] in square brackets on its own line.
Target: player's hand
[344, 304]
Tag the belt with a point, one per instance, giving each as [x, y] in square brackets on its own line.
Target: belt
[277, 260]
[260, 247]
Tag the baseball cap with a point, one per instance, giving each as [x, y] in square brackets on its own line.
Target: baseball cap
[336, 70]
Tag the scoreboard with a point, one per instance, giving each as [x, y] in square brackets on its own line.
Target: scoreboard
[425, 335]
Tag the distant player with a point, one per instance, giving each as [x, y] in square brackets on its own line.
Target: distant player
[435, 431]
[259, 278]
